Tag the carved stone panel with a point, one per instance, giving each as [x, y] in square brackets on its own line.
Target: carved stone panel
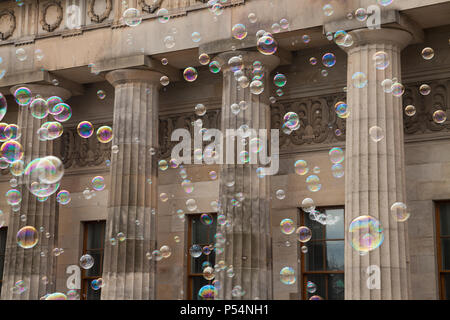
[7, 24]
[98, 18]
[50, 27]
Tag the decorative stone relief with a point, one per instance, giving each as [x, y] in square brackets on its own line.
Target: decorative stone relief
[99, 18]
[11, 24]
[47, 26]
[156, 4]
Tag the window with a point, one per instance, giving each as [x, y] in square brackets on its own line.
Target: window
[203, 235]
[93, 244]
[3, 232]
[443, 246]
[323, 263]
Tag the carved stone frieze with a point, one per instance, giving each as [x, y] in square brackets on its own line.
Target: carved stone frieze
[12, 24]
[155, 4]
[96, 17]
[59, 16]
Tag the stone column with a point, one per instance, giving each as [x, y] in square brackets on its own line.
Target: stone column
[248, 241]
[132, 193]
[375, 171]
[28, 264]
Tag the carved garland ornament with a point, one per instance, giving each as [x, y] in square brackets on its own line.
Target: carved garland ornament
[51, 27]
[99, 18]
[150, 8]
[12, 25]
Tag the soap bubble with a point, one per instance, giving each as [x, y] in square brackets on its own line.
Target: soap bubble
[342, 110]
[39, 108]
[50, 170]
[23, 96]
[196, 37]
[329, 60]
[336, 155]
[12, 151]
[381, 60]
[98, 183]
[315, 298]
[169, 41]
[397, 89]
[287, 226]
[308, 205]
[164, 80]
[425, 89]
[190, 74]
[287, 275]
[206, 219]
[86, 261]
[96, 284]
[56, 296]
[62, 112]
[376, 133]
[214, 66]
[63, 197]
[104, 134]
[256, 87]
[280, 80]
[166, 252]
[291, 120]
[337, 170]
[267, 45]
[163, 15]
[195, 251]
[313, 183]
[208, 292]
[301, 167]
[327, 10]
[203, 59]
[304, 234]
[17, 168]
[399, 212]
[366, 233]
[239, 31]
[311, 287]
[21, 54]
[191, 205]
[359, 80]
[85, 129]
[280, 194]
[410, 110]
[208, 273]
[27, 237]
[132, 17]
[439, 116]
[252, 17]
[101, 94]
[235, 64]
[12, 132]
[428, 53]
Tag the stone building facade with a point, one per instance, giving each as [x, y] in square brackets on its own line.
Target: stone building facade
[410, 164]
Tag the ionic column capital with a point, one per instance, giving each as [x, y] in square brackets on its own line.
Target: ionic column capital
[396, 37]
[269, 62]
[122, 76]
[44, 90]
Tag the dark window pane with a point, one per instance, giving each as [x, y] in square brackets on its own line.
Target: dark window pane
[336, 229]
[320, 282]
[336, 287]
[197, 283]
[3, 232]
[314, 256]
[447, 286]
[91, 293]
[445, 248]
[95, 235]
[316, 228]
[335, 255]
[444, 213]
[96, 269]
[201, 233]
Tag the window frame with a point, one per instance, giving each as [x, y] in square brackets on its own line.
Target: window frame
[190, 276]
[85, 280]
[439, 237]
[303, 273]
[3, 254]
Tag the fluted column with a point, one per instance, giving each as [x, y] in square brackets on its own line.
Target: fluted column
[127, 272]
[248, 240]
[31, 265]
[375, 171]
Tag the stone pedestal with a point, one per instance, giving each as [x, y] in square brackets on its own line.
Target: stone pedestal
[132, 202]
[375, 171]
[31, 265]
[248, 242]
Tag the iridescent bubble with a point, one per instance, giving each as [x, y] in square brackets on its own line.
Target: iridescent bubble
[284, 23]
[313, 183]
[56, 296]
[306, 38]
[315, 298]
[50, 169]
[337, 170]
[280, 194]
[13, 197]
[12, 132]
[366, 233]
[439, 116]
[239, 31]
[62, 112]
[12, 151]
[311, 287]
[164, 61]
[301, 167]
[166, 252]
[214, 66]
[17, 168]
[104, 134]
[51, 103]
[3, 135]
[190, 74]
[336, 155]
[287, 275]
[191, 205]
[256, 87]
[86, 261]
[169, 42]
[132, 17]
[195, 251]
[101, 94]
[235, 63]
[85, 129]
[164, 197]
[376, 133]
[428, 53]
[21, 54]
[73, 295]
[164, 80]
[163, 15]
[381, 60]
[121, 236]
[359, 80]
[98, 183]
[361, 14]
[304, 234]
[410, 110]
[327, 10]
[308, 205]
[208, 273]
[280, 80]
[252, 17]
[23, 96]
[196, 37]
[425, 89]
[267, 45]
[313, 61]
[276, 28]
[399, 212]
[27, 237]
[203, 59]
[63, 197]
[397, 89]
[291, 120]
[208, 292]
[213, 175]
[329, 60]
[3, 106]
[287, 226]
[342, 110]
[96, 284]
[54, 129]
